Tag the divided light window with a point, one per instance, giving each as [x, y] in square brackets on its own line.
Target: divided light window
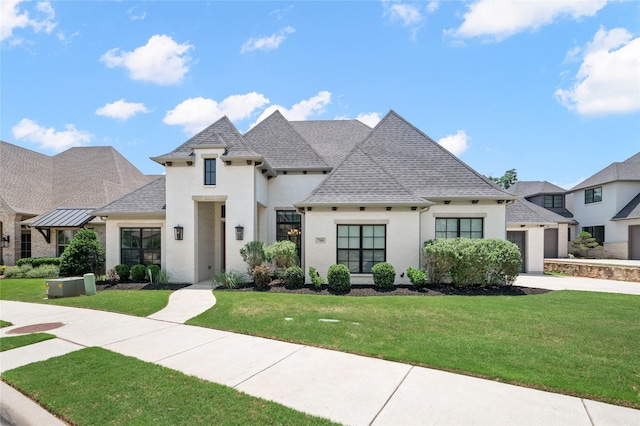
[553, 201]
[64, 238]
[288, 226]
[459, 227]
[596, 232]
[140, 246]
[593, 195]
[209, 171]
[361, 246]
[25, 243]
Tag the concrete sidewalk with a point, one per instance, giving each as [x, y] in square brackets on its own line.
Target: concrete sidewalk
[556, 282]
[346, 388]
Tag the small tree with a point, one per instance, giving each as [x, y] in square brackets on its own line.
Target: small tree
[584, 243]
[83, 255]
[253, 254]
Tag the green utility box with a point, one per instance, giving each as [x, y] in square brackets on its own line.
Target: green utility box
[89, 284]
[65, 287]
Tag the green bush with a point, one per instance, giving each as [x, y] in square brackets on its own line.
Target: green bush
[38, 261]
[282, 255]
[138, 272]
[28, 271]
[154, 269]
[262, 276]
[468, 262]
[230, 279]
[294, 277]
[418, 277]
[316, 279]
[339, 278]
[83, 255]
[384, 275]
[3, 268]
[253, 254]
[122, 271]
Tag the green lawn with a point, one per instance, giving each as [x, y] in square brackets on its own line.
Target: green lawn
[99, 387]
[578, 343]
[4, 324]
[140, 303]
[12, 342]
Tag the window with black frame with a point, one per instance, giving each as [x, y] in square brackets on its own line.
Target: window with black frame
[289, 227]
[140, 246]
[360, 247]
[553, 201]
[593, 195]
[210, 171]
[459, 227]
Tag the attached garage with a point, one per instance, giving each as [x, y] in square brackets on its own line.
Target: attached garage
[634, 242]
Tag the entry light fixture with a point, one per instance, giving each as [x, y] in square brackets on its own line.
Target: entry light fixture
[178, 232]
[5, 241]
[239, 232]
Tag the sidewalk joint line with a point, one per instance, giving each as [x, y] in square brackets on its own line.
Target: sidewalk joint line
[269, 366]
[391, 396]
[587, 411]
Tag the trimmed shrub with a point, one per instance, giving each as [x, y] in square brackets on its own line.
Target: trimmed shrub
[339, 278]
[253, 254]
[155, 270]
[17, 271]
[418, 277]
[230, 279]
[138, 272]
[294, 277]
[83, 255]
[468, 262]
[316, 279]
[282, 255]
[384, 275]
[38, 261]
[262, 276]
[28, 271]
[122, 271]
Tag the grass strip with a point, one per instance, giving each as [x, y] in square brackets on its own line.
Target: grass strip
[577, 343]
[133, 302]
[12, 342]
[96, 386]
[5, 323]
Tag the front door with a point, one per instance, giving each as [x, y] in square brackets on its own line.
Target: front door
[551, 243]
[518, 238]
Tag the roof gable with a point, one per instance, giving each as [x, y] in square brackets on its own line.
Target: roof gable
[282, 146]
[150, 198]
[629, 170]
[523, 211]
[532, 188]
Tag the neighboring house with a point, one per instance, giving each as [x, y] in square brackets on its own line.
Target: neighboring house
[559, 227]
[344, 192]
[44, 199]
[607, 206]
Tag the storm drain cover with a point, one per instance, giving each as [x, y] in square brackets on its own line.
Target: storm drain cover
[36, 328]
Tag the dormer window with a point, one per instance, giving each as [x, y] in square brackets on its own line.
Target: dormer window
[593, 195]
[553, 201]
[209, 171]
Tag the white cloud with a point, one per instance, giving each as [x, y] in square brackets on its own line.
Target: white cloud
[501, 19]
[408, 15]
[51, 139]
[161, 60]
[455, 144]
[300, 111]
[121, 110]
[195, 114]
[266, 43]
[371, 119]
[607, 81]
[13, 18]
[136, 16]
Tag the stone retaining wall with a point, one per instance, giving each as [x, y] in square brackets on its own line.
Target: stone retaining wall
[606, 272]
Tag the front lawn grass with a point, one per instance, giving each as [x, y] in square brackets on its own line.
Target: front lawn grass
[577, 343]
[12, 342]
[132, 302]
[99, 387]
[5, 323]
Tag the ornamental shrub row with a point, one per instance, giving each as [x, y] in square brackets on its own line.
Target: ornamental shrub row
[465, 261]
[38, 261]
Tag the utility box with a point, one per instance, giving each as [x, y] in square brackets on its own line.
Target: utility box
[89, 284]
[65, 287]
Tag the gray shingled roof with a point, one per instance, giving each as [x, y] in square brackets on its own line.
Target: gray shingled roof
[332, 139]
[33, 183]
[401, 162]
[151, 198]
[282, 146]
[532, 188]
[630, 211]
[63, 218]
[222, 133]
[523, 211]
[629, 170]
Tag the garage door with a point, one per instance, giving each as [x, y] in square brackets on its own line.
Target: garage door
[517, 237]
[634, 242]
[550, 243]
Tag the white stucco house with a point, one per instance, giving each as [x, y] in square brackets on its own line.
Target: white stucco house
[345, 192]
[607, 205]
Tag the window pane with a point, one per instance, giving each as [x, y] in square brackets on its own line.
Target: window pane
[343, 231]
[379, 230]
[465, 226]
[343, 242]
[441, 226]
[354, 242]
[367, 231]
[379, 243]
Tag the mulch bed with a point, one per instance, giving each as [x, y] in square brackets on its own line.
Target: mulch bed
[137, 285]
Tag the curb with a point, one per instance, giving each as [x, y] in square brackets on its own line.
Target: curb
[16, 409]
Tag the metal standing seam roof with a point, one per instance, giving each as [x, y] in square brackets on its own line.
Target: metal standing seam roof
[64, 218]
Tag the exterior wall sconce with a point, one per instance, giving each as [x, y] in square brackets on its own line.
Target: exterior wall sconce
[5, 241]
[239, 232]
[178, 232]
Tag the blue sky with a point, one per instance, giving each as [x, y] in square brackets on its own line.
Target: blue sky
[550, 88]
